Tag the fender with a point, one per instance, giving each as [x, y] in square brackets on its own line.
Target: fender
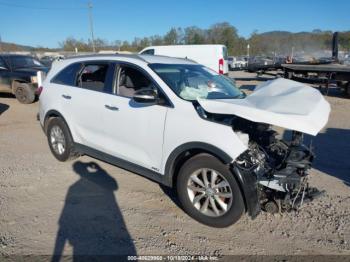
[246, 182]
[204, 147]
[16, 81]
[248, 185]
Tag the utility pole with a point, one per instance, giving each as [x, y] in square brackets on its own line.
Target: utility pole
[91, 26]
[248, 47]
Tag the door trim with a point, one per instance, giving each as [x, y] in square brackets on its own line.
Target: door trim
[124, 164]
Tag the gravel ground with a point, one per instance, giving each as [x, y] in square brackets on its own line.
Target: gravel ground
[46, 205]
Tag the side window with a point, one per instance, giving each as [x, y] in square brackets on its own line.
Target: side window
[129, 80]
[93, 77]
[2, 63]
[68, 75]
[148, 52]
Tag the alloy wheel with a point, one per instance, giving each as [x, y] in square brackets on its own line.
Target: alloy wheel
[57, 140]
[209, 192]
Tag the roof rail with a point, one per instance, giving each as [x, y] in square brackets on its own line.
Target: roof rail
[135, 56]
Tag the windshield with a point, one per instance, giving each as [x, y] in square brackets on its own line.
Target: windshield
[24, 61]
[191, 82]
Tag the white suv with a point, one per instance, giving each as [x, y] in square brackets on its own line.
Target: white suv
[187, 127]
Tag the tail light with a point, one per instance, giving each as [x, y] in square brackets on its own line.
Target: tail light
[39, 90]
[221, 66]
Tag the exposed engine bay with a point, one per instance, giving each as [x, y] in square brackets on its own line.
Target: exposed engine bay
[279, 166]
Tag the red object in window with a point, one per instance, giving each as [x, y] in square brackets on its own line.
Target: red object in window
[221, 66]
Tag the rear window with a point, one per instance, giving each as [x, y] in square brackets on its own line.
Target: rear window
[148, 52]
[68, 75]
[224, 52]
[93, 77]
[23, 61]
[2, 63]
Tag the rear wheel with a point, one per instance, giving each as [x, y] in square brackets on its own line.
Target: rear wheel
[209, 192]
[60, 141]
[24, 93]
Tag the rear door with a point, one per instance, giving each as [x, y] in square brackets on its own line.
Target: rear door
[87, 103]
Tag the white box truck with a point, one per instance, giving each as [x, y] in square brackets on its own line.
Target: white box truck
[212, 56]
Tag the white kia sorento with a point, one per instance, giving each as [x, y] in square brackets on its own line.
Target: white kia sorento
[186, 127]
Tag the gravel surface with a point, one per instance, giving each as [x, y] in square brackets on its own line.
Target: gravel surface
[71, 208]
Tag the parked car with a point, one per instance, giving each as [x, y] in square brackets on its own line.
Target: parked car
[18, 75]
[49, 60]
[237, 63]
[187, 127]
[212, 56]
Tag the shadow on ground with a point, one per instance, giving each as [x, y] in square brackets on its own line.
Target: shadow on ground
[333, 92]
[171, 193]
[91, 221]
[3, 108]
[332, 150]
[7, 95]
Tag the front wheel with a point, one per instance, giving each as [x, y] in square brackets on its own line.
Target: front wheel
[209, 192]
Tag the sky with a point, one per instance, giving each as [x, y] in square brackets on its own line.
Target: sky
[46, 23]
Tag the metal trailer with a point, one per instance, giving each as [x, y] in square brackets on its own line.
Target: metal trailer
[320, 74]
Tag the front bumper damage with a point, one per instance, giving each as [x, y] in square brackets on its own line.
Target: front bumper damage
[272, 172]
[275, 177]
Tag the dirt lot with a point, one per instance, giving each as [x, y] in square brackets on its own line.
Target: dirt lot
[47, 205]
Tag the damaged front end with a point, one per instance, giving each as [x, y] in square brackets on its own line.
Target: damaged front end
[279, 167]
[273, 172]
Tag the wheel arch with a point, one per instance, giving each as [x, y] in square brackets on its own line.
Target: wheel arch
[15, 82]
[185, 151]
[51, 114]
[246, 182]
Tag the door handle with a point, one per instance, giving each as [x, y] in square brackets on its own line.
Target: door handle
[113, 108]
[66, 96]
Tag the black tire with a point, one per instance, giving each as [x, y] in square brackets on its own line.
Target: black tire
[24, 93]
[200, 161]
[69, 152]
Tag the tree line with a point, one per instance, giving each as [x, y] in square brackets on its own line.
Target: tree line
[268, 43]
[220, 33]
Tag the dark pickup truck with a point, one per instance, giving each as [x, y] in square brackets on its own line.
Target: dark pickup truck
[18, 75]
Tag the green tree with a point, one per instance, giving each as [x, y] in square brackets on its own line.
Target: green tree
[194, 36]
[171, 38]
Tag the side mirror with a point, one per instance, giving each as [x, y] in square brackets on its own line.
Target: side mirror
[145, 96]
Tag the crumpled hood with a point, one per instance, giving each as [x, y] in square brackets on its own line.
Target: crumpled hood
[281, 102]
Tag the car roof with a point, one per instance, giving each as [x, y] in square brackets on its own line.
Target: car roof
[149, 59]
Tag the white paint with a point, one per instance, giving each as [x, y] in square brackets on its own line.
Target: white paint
[207, 55]
[281, 102]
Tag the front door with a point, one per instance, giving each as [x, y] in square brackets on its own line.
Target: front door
[134, 131]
